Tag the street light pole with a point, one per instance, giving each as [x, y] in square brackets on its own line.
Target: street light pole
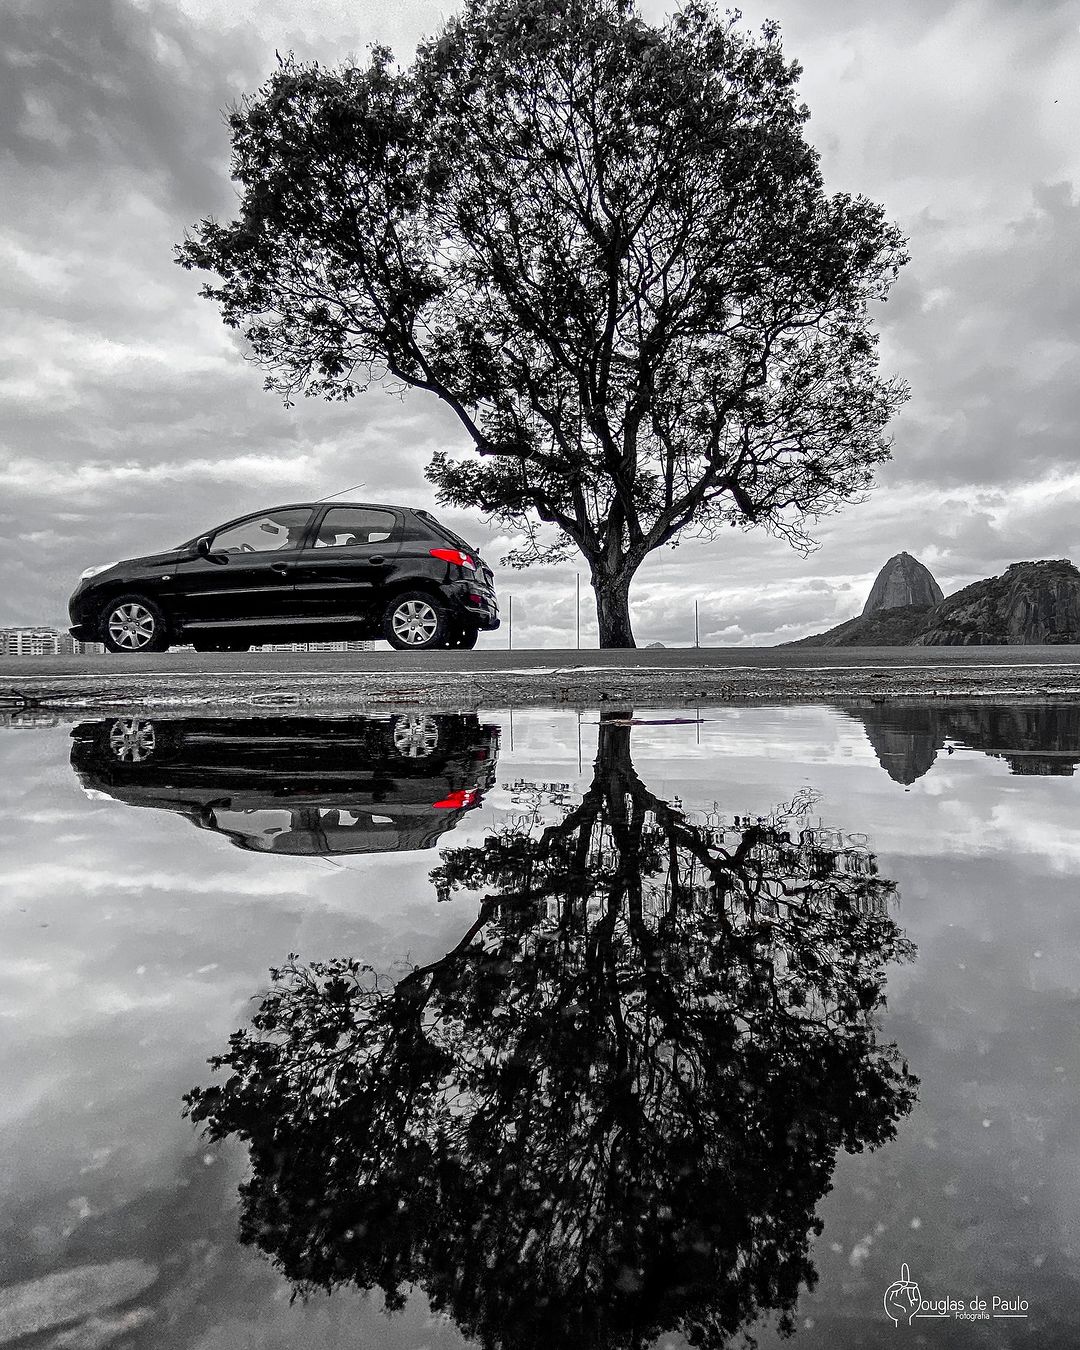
[510, 625]
[577, 603]
[697, 642]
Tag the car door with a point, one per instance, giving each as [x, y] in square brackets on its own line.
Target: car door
[248, 571]
[344, 568]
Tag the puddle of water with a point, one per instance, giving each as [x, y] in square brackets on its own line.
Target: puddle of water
[609, 1014]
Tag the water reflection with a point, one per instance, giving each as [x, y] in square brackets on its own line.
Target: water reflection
[1031, 738]
[303, 785]
[611, 1110]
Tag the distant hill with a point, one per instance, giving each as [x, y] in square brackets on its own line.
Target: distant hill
[1030, 603]
[895, 627]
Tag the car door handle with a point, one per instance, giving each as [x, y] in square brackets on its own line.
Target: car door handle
[280, 568]
[377, 560]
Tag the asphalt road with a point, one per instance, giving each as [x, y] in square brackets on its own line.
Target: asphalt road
[669, 677]
[385, 661]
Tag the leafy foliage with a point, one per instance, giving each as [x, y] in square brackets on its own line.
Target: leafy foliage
[609, 1111]
[606, 247]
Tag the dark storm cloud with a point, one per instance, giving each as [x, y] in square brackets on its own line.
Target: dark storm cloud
[89, 85]
[987, 339]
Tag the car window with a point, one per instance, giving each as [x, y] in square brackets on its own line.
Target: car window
[415, 530]
[421, 528]
[346, 526]
[266, 533]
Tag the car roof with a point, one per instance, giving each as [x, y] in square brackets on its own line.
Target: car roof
[307, 506]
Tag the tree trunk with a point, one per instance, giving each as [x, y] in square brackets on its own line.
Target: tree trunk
[613, 608]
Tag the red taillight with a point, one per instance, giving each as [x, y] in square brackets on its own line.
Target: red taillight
[453, 555]
[457, 800]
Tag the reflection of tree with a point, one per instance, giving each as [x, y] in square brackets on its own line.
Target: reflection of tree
[609, 1111]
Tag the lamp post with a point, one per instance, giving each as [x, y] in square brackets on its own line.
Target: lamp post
[577, 606]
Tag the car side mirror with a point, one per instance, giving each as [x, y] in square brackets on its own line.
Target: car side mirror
[202, 546]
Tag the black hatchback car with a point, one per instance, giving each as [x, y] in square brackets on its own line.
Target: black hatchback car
[304, 572]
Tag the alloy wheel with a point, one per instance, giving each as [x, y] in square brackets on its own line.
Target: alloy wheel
[415, 622]
[132, 626]
[415, 737]
[131, 739]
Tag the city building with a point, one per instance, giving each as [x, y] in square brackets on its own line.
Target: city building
[43, 640]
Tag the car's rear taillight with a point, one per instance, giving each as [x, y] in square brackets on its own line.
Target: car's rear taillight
[463, 797]
[454, 555]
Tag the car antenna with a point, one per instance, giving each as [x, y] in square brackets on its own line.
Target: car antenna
[342, 492]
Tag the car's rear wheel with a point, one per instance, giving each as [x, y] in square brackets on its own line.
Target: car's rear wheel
[134, 624]
[415, 622]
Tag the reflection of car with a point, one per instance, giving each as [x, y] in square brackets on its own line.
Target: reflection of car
[311, 571]
[297, 785]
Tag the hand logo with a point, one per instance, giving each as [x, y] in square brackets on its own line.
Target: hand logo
[902, 1298]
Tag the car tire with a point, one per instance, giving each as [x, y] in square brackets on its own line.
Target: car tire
[415, 621]
[463, 637]
[137, 741]
[133, 624]
[415, 737]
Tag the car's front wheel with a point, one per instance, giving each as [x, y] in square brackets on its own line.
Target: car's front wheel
[414, 622]
[134, 624]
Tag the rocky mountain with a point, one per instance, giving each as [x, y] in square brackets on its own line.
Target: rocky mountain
[886, 628]
[1029, 604]
[903, 581]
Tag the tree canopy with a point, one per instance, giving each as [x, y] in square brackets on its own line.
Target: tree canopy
[606, 246]
[610, 1111]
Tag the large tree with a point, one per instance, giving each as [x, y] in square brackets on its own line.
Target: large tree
[606, 246]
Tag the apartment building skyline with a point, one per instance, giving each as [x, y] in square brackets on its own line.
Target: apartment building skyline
[43, 640]
[49, 640]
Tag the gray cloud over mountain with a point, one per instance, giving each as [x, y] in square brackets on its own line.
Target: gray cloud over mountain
[128, 416]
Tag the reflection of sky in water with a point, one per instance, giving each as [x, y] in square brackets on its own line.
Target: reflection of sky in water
[132, 944]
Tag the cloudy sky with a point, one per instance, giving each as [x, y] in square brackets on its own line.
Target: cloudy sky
[129, 418]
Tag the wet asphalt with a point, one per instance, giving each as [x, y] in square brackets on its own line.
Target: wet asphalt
[492, 677]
